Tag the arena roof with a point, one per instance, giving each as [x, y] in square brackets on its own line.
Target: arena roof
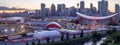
[94, 17]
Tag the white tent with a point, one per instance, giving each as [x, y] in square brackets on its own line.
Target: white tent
[46, 34]
[69, 31]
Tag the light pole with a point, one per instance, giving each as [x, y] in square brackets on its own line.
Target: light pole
[5, 41]
[13, 30]
[6, 31]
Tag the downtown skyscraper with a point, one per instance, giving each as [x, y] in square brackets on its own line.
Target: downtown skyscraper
[53, 10]
[103, 7]
[42, 13]
[72, 11]
[61, 9]
[82, 6]
[117, 10]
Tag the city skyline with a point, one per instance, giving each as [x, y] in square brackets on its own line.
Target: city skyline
[35, 4]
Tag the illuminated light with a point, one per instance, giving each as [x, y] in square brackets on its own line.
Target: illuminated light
[13, 29]
[22, 26]
[11, 11]
[83, 27]
[6, 30]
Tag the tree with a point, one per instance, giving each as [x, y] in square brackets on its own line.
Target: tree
[109, 32]
[81, 34]
[112, 39]
[62, 37]
[116, 37]
[27, 43]
[96, 36]
[38, 42]
[74, 36]
[48, 40]
[36, 17]
[33, 43]
[67, 36]
[119, 21]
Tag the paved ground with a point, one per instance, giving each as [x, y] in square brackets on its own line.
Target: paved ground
[16, 43]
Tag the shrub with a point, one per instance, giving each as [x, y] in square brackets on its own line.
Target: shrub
[33, 43]
[27, 43]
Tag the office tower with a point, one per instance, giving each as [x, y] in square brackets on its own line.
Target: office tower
[91, 7]
[61, 9]
[42, 10]
[53, 10]
[117, 10]
[94, 10]
[67, 12]
[103, 7]
[73, 11]
[47, 12]
[82, 6]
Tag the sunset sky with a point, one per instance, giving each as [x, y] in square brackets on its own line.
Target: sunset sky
[35, 4]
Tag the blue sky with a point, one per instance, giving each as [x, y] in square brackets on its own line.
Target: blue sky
[35, 4]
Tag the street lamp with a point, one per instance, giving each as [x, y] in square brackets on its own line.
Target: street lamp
[6, 30]
[5, 41]
[13, 29]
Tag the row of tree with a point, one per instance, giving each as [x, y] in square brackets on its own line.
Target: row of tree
[113, 38]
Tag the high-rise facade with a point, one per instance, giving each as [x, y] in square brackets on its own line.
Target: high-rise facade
[67, 12]
[82, 6]
[61, 9]
[42, 14]
[103, 7]
[73, 11]
[117, 10]
[47, 12]
[91, 6]
[53, 10]
[91, 9]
